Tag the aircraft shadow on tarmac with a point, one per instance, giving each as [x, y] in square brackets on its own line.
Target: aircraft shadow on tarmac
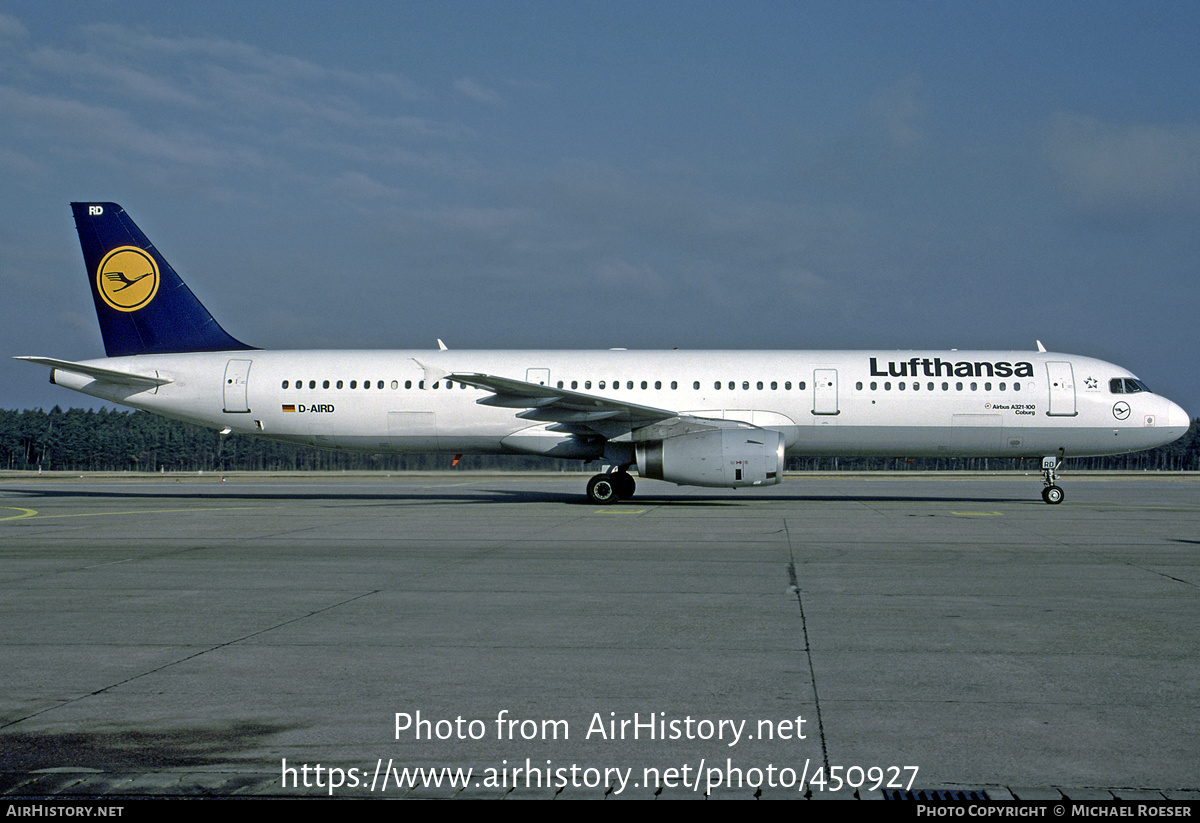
[485, 496]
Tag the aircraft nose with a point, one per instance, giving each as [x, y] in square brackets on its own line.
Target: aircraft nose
[1177, 418]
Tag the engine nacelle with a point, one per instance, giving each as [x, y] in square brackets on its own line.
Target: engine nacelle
[725, 458]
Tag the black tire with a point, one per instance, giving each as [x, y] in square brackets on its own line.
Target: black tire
[625, 485]
[602, 490]
[1053, 494]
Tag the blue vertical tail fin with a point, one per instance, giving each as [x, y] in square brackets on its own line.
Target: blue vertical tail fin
[142, 305]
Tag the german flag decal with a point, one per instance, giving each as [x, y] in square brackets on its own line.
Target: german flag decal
[287, 407]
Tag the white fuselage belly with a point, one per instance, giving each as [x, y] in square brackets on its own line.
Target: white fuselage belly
[844, 403]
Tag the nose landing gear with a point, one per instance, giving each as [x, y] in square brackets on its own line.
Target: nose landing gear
[1052, 493]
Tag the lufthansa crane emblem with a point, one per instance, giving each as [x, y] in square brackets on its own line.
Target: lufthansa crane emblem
[127, 278]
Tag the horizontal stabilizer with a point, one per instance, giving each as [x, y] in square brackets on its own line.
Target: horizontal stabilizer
[122, 378]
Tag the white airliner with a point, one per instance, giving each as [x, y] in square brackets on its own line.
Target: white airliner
[700, 418]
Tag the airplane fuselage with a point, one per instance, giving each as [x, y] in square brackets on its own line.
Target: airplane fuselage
[843, 403]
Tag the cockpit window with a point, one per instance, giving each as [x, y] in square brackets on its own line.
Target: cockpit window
[1126, 385]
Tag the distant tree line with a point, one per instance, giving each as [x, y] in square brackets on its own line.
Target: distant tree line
[119, 440]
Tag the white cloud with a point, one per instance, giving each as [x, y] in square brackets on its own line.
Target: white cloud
[11, 28]
[616, 275]
[897, 111]
[1103, 165]
[203, 106]
[112, 131]
[359, 187]
[478, 92]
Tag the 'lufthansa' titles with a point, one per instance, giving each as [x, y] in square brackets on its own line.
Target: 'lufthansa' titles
[937, 367]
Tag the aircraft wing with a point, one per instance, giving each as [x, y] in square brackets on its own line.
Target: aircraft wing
[122, 378]
[547, 403]
[581, 413]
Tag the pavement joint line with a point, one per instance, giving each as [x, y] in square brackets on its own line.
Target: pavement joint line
[794, 579]
[192, 656]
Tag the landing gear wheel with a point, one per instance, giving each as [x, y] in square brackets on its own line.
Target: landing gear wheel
[602, 489]
[1050, 463]
[623, 481]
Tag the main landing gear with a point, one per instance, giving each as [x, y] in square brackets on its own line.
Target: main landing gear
[1052, 493]
[611, 487]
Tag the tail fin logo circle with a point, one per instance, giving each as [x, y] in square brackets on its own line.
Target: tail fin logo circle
[127, 278]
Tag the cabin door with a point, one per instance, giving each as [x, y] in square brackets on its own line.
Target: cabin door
[1062, 389]
[237, 376]
[825, 391]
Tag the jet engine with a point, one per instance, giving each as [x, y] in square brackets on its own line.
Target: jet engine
[725, 458]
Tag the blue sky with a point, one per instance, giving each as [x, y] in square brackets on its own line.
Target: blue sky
[592, 174]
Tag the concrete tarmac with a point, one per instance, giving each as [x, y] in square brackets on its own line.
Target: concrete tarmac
[836, 636]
